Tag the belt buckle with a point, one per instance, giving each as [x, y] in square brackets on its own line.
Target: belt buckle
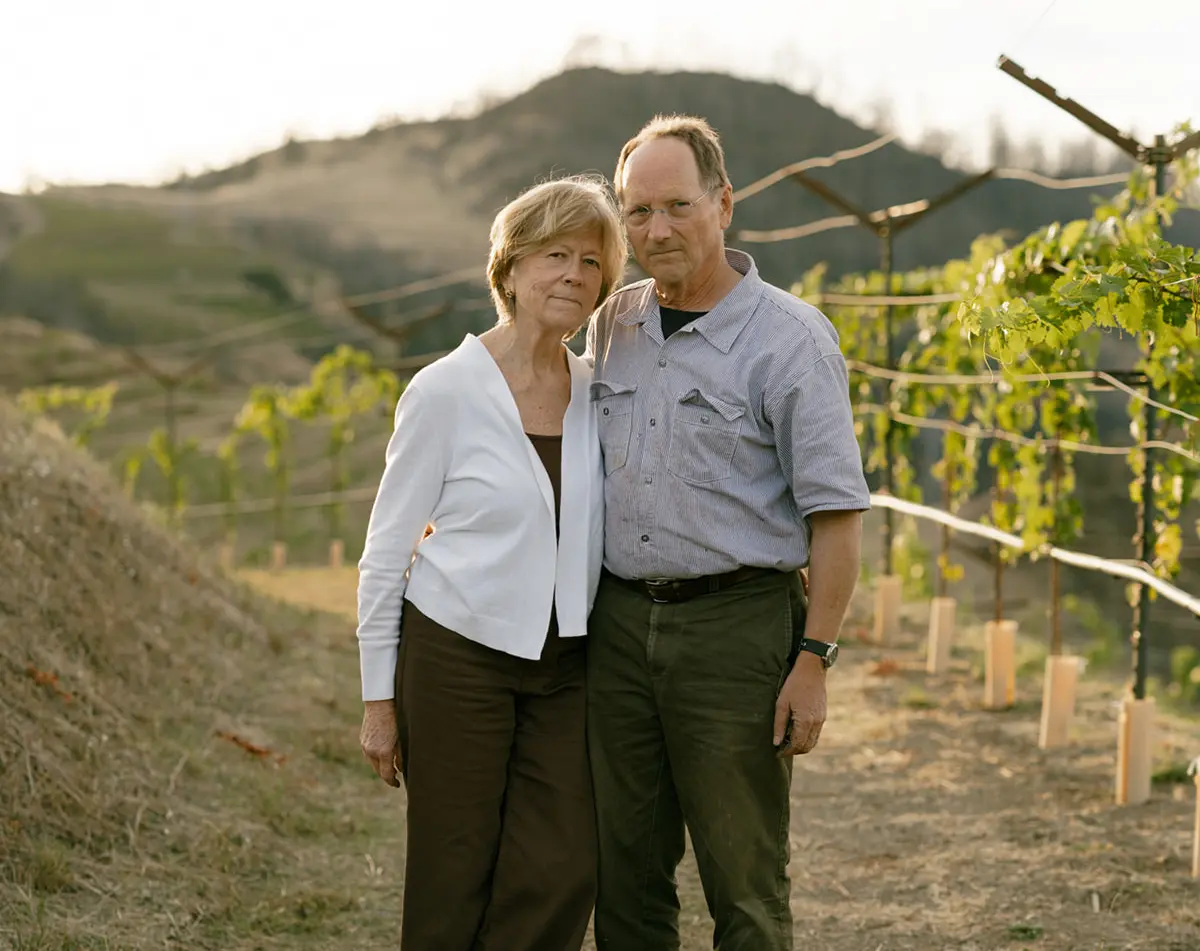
[653, 583]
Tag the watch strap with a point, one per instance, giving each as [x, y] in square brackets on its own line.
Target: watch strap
[820, 648]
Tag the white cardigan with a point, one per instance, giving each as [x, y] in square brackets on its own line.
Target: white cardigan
[459, 458]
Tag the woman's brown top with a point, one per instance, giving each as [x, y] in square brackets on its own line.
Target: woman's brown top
[549, 450]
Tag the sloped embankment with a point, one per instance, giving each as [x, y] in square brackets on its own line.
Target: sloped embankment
[169, 745]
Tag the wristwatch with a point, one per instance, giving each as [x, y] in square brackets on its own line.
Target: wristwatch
[827, 652]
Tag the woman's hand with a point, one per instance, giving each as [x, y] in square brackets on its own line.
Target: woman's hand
[380, 739]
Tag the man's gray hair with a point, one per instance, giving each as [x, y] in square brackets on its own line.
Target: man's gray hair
[700, 137]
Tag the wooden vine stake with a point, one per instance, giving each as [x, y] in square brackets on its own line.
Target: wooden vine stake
[1062, 671]
[1135, 742]
[1000, 644]
[1000, 673]
[942, 608]
[888, 591]
[1194, 772]
[1058, 700]
[1135, 737]
[941, 634]
[337, 551]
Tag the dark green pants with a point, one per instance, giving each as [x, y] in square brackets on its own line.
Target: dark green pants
[681, 701]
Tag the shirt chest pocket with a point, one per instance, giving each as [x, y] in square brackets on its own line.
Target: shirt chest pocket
[704, 436]
[613, 404]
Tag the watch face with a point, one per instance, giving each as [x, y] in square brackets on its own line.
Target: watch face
[831, 655]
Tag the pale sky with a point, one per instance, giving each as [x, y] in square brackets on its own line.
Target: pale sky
[139, 90]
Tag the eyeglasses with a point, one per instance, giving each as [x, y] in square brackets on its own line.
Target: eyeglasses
[678, 210]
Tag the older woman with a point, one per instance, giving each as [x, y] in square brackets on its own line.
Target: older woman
[477, 699]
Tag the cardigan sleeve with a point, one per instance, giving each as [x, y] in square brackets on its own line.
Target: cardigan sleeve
[415, 469]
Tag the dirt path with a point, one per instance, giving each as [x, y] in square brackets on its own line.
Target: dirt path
[931, 823]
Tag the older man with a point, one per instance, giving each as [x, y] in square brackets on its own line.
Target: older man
[730, 463]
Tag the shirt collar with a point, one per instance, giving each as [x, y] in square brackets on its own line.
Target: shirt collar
[722, 324]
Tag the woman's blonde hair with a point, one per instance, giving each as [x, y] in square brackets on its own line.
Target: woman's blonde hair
[543, 214]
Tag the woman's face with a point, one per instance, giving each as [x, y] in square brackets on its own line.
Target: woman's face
[557, 286]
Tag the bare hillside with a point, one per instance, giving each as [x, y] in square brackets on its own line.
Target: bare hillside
[424, 193]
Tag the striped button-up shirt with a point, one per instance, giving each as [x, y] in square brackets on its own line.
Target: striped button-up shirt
[720, 442]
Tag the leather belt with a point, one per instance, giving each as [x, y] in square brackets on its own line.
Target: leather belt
[673, 591]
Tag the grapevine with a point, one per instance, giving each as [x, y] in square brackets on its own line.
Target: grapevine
[344, 384]
[266, 414]
[169, 455]
[90, 406]
[861, 333]
[1112, 272]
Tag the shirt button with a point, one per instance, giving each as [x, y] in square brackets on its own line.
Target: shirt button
[645, 538]
[662, 362]
[704, 419]
[649, 480]
[653, 422]
[606, 411]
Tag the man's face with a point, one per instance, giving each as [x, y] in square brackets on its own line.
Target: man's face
[661, 175]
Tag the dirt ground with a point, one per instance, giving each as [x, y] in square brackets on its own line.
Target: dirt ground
[246, 819]
[924, 821]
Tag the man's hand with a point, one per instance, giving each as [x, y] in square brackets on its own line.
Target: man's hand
[380, 739]
[833, 566]
[802, 701]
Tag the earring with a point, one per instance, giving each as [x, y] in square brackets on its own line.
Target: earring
[509, 293]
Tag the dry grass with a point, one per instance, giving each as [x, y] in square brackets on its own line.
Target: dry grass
[178, 759]
[179, 769]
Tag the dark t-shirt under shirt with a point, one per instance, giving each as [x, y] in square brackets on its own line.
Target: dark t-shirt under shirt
[549, 450]
[675, 320]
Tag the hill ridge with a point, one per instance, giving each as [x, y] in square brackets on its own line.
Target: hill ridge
[410, 199]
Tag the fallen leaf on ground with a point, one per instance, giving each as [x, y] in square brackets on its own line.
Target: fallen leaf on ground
[253, 749]
[44, 678]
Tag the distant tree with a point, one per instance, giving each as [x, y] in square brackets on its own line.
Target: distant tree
[586, 50]
[937, 142]
[1032, 155]
[881, 112]
[268, 281]
[1079, 158]
[1000, 146]
[293, 150]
